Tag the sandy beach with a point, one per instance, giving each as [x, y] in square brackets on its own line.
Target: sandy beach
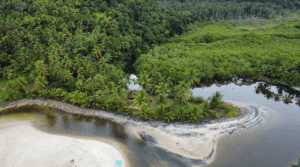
[22, 145]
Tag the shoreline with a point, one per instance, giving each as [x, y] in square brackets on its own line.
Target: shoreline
[196, 142]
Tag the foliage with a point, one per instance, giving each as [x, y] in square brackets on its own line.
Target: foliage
[197, 99]
[140, 99]
[74, 51]
[194, 114]
[216, 100]
[183, 92]
[161, 102]
[219, 50]
[148, 114]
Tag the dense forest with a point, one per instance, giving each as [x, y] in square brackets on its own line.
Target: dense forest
[75, 51]
[221, 50]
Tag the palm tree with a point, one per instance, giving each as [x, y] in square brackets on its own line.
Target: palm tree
[162, 88]
[119, 94]
[191, 78]
[40, 68]
[40, 82]
[156, 77]
[144, 80]
[182, 92]
[67, 76]
[79, 85]
[180, 113]
[109, 87]
[195, 113]
[206, 110]
[7, 72]
[100, 98]
[216, 100]
[140, 99]
[67, 62]
[20, 82]
[97, 51]
[99, 80]
[161, 101]
[168, 116]
[11, 86]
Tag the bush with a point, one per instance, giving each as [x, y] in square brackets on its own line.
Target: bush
[198, 99]
[31, 93]
[216, 100]
[226, 110]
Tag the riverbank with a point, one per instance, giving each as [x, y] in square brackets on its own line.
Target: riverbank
[196, 142]
[23, 145]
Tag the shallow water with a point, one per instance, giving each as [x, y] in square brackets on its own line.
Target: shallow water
[273, 142]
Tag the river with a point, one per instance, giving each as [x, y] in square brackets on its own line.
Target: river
[273, 141]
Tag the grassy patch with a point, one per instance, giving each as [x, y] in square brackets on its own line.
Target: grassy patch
[231, 111]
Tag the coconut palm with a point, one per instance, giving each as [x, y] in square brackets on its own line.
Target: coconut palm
[206, 110]
[168, 116]
[119, 94]
[194, 114]
[79, 85]
[144, 80]
[161, 101]
[216, 100]
[68, 76]
[40, 82]
[180, 113]
[162, 88]
[100, 98]
[7, 72]
[183, 92]
[20, 82]
[191, 78]
[109, 88]
[140, 99]
[11, 86]
[147, 113]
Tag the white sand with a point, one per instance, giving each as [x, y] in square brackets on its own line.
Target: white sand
[23, 146]
[199, 141]
[191, 147]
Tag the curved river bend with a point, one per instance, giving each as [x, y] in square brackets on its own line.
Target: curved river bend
[267, 134]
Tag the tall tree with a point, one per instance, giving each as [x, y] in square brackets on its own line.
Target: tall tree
[161, 102]
[183, 92]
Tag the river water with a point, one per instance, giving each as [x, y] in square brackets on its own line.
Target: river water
[275, 141]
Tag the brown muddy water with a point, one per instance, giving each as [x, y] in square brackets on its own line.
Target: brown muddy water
[274, 142]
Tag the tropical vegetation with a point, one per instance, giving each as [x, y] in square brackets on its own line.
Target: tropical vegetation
[76, 51]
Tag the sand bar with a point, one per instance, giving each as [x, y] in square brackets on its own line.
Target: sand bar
[22, 145]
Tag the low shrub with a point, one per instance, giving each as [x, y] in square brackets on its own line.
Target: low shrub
[198, 99]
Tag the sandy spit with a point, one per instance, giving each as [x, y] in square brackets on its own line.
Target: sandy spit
[195, 143]
[22, 145]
